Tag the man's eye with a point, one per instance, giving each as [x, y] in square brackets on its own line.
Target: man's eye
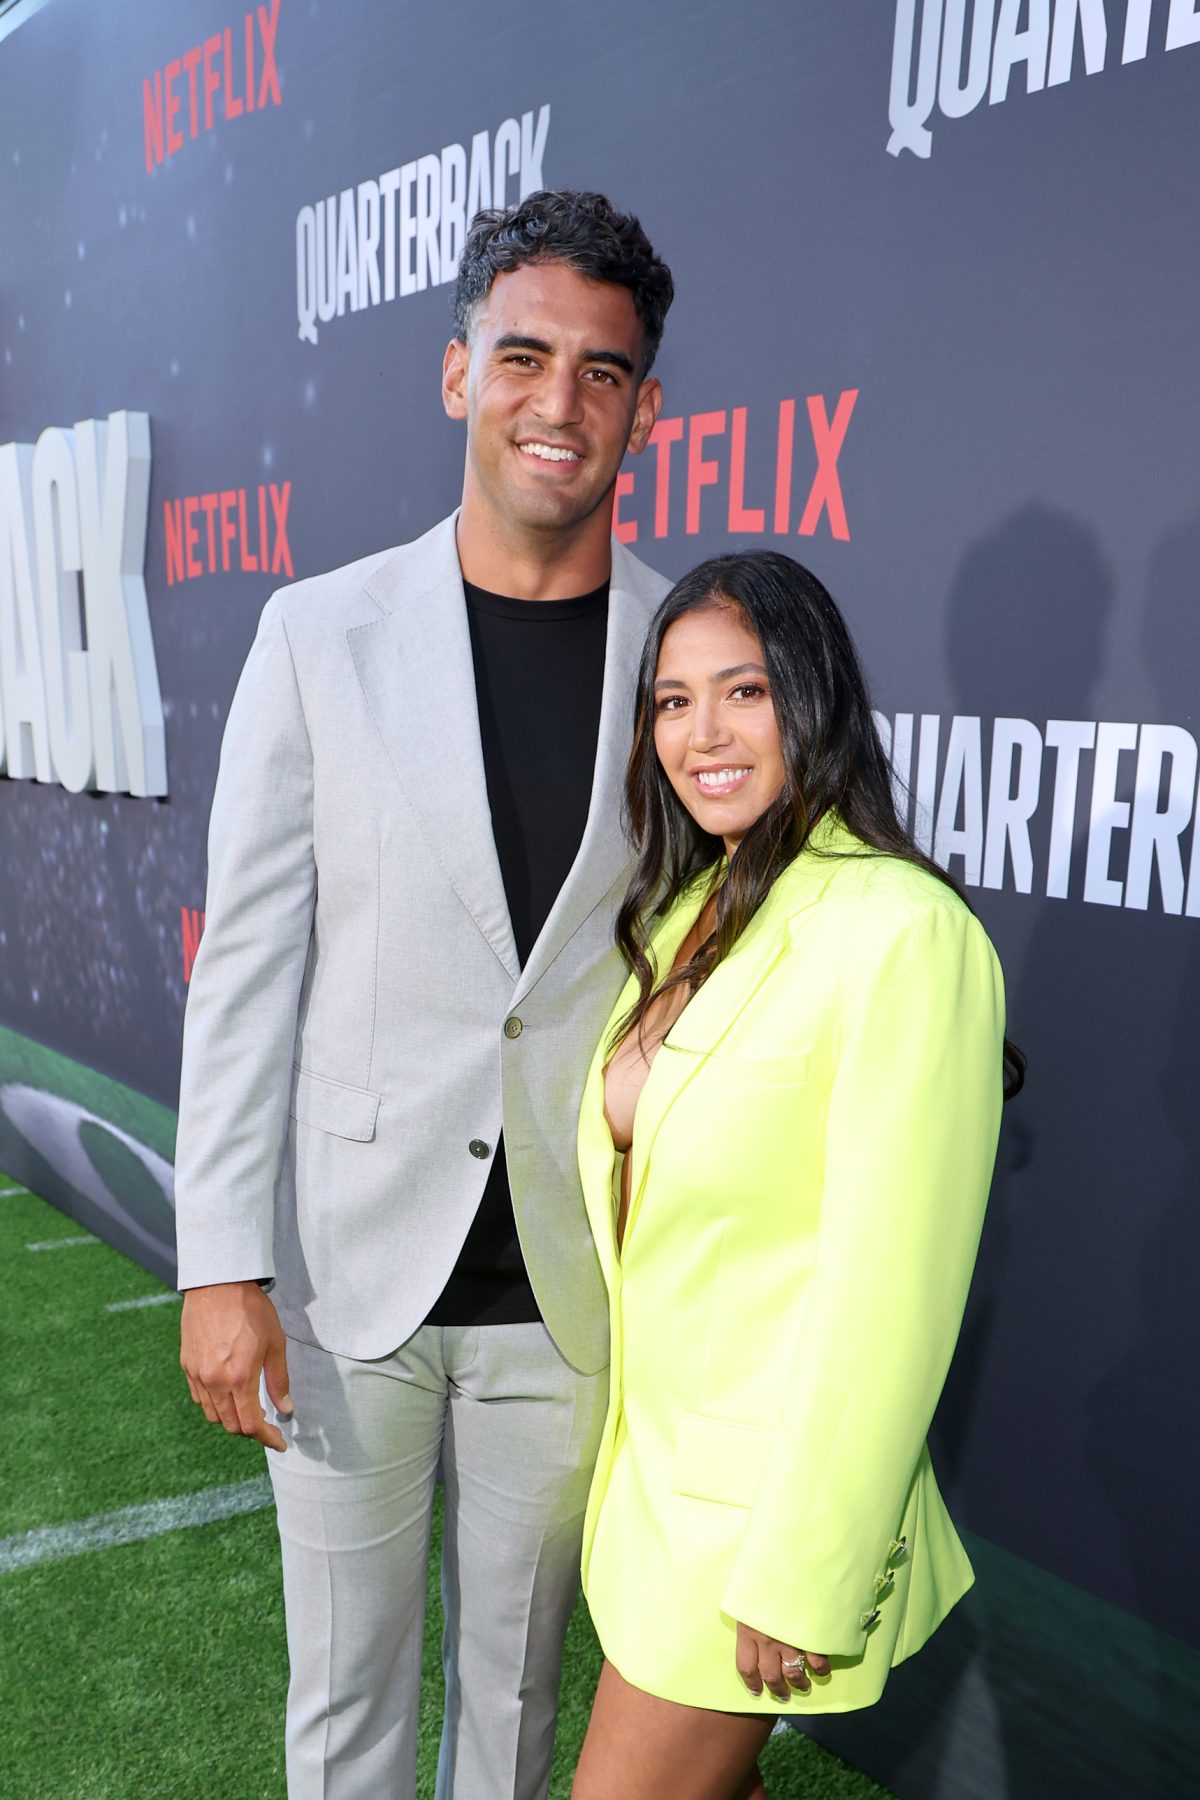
[603, 375]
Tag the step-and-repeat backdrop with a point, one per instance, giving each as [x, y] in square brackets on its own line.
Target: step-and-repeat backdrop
[935, 334]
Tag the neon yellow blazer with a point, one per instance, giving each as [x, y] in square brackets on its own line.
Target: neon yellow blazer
[812, 1154]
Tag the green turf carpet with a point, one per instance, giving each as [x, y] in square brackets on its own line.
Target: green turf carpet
[157, 1668]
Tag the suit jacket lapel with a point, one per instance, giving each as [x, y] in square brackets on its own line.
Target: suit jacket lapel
[418, 680]
[604, 853]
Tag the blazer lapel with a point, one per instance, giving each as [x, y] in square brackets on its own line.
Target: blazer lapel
[597, 1155]
[604, 853]
[415, 668]
[709, 1016]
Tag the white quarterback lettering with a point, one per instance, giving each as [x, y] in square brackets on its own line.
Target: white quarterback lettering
[1013, 817]
[949, 55]
[75, 506]
[402, 232]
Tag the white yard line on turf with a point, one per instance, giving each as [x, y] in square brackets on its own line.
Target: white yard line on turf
[146, 1300]
[7, 1193]
[130, 1524]
[66, 1243]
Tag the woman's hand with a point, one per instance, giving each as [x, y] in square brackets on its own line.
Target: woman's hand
[766, 1662]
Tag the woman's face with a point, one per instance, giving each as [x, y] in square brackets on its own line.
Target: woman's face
[714, 722]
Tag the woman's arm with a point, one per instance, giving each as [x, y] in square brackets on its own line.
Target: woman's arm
[909, 1149]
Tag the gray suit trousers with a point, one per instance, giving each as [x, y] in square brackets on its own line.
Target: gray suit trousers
[512, 1430]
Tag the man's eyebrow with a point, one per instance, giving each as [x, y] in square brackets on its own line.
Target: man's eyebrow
[515, 340]
[617, 358]
[512, 340]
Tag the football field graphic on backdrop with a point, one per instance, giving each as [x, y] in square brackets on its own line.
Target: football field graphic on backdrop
[101, 1149]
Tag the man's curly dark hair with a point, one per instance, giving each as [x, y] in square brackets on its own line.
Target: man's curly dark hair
[581, 229]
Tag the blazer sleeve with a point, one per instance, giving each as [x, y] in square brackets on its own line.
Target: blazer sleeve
[909, 1150]
[240, 1025]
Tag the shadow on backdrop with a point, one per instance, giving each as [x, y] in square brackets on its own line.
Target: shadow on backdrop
[1059, 1434]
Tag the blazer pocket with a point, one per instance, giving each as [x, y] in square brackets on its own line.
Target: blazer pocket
[345, 1112]
[718, 1460]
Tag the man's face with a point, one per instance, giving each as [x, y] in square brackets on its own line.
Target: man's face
[549, 386]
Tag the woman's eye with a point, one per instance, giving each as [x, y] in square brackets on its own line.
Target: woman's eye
[749, 690]
[669, 703]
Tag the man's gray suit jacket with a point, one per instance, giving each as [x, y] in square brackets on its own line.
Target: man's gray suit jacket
[358, 1026]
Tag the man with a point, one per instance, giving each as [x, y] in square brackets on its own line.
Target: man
[414, 864]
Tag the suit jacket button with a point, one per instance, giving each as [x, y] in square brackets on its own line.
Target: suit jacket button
[478, 1148]
[513, 1027]
[884, 1582]
[867, 1619]
[896, 1549]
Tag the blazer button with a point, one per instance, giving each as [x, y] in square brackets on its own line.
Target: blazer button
[884, 1582]
[478, 1148]
[513, 1027]
[896, 1549]
[867, 1619]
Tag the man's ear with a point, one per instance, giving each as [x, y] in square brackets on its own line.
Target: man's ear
[454, 378]
[645, 414]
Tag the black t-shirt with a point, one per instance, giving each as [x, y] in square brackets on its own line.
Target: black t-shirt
[539, 672]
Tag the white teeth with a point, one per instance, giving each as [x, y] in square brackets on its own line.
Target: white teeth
[718, 778]
[549, 452]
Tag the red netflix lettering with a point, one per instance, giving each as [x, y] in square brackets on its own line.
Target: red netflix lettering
[741, 517]
[826, 490]
[666, 432]
[238, 64]
[625, 530]
[281, 560]
[192, 930]
[174, 138]
[192, 536]
[233, 102]
[248, 562]
[209, 503]
[230, 516]
[190, 63]
[719, 448]
[783, 464]
[700, 473]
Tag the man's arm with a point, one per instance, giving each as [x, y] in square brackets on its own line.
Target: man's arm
[239, 1039]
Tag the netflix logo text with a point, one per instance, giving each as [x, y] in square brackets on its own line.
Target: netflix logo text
[227, 531]
[709, 451]
[231, 73]
[191, 925]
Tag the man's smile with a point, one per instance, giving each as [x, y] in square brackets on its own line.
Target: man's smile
[551, 453]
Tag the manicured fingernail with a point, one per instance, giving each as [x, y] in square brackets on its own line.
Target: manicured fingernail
[285, 1406]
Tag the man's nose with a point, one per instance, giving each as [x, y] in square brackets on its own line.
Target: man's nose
[559, 402]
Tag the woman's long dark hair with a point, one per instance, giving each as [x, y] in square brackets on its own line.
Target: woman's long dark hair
[832, 757]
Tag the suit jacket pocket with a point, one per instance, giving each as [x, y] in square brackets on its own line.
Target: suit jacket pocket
[716, 1459]
[331, 1106]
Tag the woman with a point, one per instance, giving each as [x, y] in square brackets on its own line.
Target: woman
[812, 1040]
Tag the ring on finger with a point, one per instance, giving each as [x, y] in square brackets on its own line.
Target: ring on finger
[794, 1665]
